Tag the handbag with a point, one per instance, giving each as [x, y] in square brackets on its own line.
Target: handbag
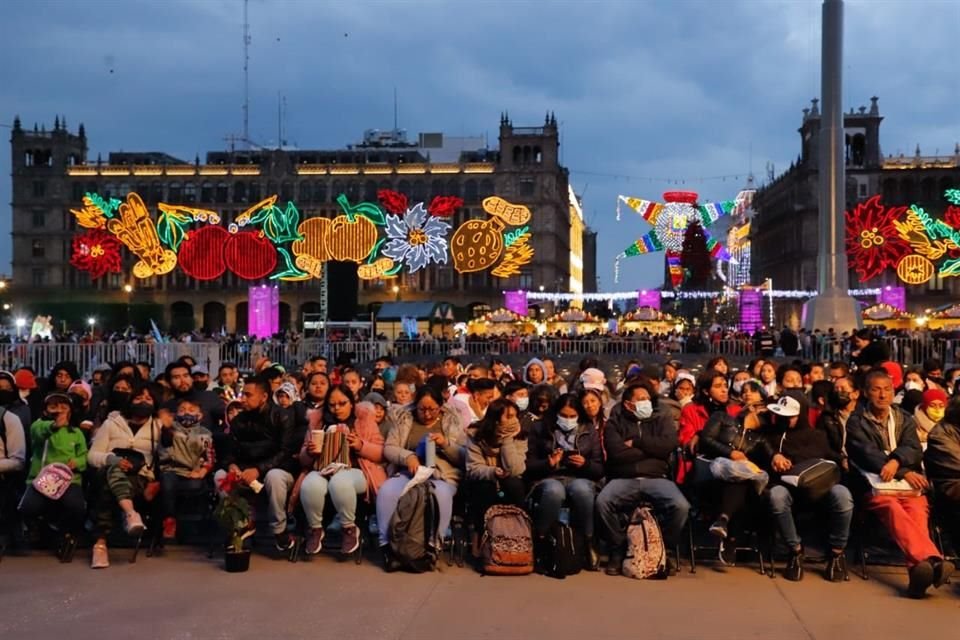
[813, 478]
[134, 457]
[54, 479]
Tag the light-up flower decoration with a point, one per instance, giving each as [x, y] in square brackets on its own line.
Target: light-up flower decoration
[873, 241]
[417, 239]
[96, 252]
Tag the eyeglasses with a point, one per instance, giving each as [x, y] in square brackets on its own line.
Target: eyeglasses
[428, 409]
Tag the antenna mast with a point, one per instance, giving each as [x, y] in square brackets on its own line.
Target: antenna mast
[246, 74]
[396, 112]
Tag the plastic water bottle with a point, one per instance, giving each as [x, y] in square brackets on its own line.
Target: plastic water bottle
[431, 457]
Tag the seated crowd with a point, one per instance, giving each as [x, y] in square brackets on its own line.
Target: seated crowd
[750, 449]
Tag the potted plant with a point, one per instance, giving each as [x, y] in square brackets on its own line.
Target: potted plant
[233, 514]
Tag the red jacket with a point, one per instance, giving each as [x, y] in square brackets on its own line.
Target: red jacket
[693, 418]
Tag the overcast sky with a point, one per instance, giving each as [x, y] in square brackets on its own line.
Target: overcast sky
[650, 95]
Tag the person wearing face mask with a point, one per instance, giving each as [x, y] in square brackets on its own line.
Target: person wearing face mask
[115, 397]
[842, 401]
[123, 452]
[910, 395]
[639, 441]
[929, 412]
[518, 392]
[797, 446]
[29, 392]
[942, 462]
[564, 464]
[736, 387]
[178, 376]
[186, 457]
[80, 394]
[10, 399]
[496, 462]
[13, 455]
[55, 440]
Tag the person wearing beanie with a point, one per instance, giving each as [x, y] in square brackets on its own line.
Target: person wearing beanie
[379, 411]
[929, 412]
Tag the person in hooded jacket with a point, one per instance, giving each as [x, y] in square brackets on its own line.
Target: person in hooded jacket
[61, 377]
[639, 441]
[535, 372]
[842, 402]
[565, 464]
[929, 412]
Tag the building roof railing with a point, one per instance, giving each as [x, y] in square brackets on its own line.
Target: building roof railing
[922, 162]
[111, 170]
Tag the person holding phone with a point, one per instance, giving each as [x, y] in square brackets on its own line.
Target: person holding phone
[564, 464]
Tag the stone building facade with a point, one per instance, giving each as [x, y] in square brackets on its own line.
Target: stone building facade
[52, 171]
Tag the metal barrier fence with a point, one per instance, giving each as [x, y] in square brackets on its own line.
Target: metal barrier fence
[42, 357]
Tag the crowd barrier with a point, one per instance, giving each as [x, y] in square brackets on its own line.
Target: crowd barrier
[43, 356]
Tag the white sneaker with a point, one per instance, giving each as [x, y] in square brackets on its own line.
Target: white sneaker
[133, 524]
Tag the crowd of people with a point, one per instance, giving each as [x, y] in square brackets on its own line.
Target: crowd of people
[750, 448]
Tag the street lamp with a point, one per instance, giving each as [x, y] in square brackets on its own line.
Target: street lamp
[91, 321]
[396, 291]
[21, 323]
[128, 289]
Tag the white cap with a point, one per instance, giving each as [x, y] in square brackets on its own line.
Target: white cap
[785, 406]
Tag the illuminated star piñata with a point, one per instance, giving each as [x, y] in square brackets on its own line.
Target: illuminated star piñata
[670, 219]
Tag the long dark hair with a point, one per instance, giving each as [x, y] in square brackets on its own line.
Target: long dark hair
[487, 427]
[345, 390]
[702, 394]
[571, 400]
[322, 402]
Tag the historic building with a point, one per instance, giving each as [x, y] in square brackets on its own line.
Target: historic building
[52, 172]
[784, 229]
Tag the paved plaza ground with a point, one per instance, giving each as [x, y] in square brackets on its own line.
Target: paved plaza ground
[184, 595]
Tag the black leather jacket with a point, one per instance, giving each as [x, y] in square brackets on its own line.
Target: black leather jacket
[724, 434]
[266, 439]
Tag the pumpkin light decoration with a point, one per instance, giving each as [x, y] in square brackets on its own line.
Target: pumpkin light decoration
[353, 235]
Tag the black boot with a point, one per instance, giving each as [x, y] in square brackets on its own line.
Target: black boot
[837, 567]
[614, 563]
[390, 563]
[591, 561]
[794, 570]
[942, 570]
[921, 577]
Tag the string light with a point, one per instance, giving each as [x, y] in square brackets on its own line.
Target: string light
[683, 295]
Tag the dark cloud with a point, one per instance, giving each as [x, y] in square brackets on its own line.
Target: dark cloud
[680, 90]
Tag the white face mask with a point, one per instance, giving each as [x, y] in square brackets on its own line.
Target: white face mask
[643, 409]
[913, 385]
[566, 424]
[523, 403]
[685, 401]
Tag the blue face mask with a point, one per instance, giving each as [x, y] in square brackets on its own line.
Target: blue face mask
[188, 419]
[566, 424]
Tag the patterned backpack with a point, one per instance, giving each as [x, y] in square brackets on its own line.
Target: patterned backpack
[646, 554]
[507, 545]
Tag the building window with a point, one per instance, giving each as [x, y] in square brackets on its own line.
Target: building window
[444, 278]
[240, 192]
[176, 192]
[222, 192]
[526, 279]
[39, 189]
[526, 187]
[38, 277]
[206, 192]
[38, 250]
[189, 192]
[862, 190]
[39, 218]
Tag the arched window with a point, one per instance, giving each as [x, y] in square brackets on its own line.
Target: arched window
[223, 191]
[206, 192]
[470, 192]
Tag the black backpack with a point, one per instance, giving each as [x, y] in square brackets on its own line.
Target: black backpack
[560, 553]
[413, 536]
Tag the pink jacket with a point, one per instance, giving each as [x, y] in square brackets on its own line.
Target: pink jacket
[370, 456]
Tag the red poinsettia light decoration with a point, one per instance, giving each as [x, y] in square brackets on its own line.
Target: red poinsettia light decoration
[444, 206]
[96, 252]
[393, 201]
[952, 216]
[873, 243]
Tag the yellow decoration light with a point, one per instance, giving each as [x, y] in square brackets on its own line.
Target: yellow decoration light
[310, 265]
[135, 229]
[313, 231]
[477, 245]
[350, 241]
[512, 214]
[915, 269]
[518, 254]
[377, 270]
[90, 217]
